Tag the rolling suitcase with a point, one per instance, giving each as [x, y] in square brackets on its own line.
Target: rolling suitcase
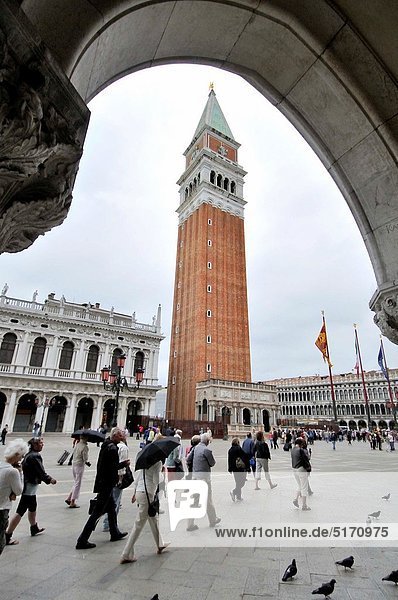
[63, 457]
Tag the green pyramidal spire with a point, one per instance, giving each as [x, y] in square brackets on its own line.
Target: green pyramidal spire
[213, 117]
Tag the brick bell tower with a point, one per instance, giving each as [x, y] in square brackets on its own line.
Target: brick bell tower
[210, 325]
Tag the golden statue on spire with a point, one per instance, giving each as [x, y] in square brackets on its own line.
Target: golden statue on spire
[211, 86]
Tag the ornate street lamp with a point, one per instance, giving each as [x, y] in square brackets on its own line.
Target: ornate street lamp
[115, 382]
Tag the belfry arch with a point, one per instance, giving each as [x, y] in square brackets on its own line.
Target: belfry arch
[329, 67]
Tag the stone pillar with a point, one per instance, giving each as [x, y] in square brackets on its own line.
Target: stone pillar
[122, 414]
[70, 415]
[97, 413]
[43, 125]
[80, 365]
[10, 410]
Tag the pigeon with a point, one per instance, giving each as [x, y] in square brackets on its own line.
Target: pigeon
[375, 515]
[291, 571]
[393, 576]
[326, 589]
[346, 562]
[386, 497]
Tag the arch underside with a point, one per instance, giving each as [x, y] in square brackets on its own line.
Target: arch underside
[323, 67]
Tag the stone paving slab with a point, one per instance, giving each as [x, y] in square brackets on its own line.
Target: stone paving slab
[49, 567]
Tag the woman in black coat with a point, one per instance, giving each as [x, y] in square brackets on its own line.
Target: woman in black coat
[263, 455]
[238, 464]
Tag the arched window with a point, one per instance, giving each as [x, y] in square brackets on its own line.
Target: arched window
[116, 353]
[38, 350]
[92, 359]
[186, 193]
[212, 177]
[226, 184]
[219, 181]
[204, 406]
[7, 348]
[65, 361]
[139, 361]
[233, 187]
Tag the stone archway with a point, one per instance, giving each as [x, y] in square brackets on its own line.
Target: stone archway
[246, 416]
[84, 413]
[56, 414]
[266, 422]
[329, 68]
[133, 419]
[108, 411]
[26, 413]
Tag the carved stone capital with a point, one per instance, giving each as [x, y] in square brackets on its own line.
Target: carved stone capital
[384, 304]
[43, 122]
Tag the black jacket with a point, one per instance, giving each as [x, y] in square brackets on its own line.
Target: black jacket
[33, 470]
[107, 467]
[261, 450]
[300, 458]
[233, 453]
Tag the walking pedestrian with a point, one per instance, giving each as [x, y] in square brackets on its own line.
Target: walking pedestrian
[107, 477]
[117, 491]
[80, 460]
[11, 482]
[263, 455]
[33, 474]
[144, 491]
[238, 464]
[4, 434]
[301, 468]
[173, 464]
[202, 460]
[248, 448]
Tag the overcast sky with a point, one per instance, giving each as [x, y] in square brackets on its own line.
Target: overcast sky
[118, 244]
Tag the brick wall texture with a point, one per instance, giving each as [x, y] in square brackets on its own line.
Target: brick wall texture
[228, 354]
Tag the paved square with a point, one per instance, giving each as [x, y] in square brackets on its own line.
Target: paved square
[49, 567]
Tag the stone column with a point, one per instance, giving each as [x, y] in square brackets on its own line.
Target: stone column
[122, 414]
[97, 412]
[70, 415]
[11, 410]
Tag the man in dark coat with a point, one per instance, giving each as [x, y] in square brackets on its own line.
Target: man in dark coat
[106, 479]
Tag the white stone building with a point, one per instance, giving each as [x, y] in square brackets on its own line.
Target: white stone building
[51, 355]
[237, 403]
[307, 400]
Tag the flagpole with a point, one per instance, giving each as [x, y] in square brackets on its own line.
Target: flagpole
[365, 393]
[388, 381]
[330, 371]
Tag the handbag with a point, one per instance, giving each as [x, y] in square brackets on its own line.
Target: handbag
[240, 463]
[178, 466]
[92, 505]
[154, 506]
[127, 479]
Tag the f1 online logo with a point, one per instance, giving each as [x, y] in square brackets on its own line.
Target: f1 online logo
[187, 499]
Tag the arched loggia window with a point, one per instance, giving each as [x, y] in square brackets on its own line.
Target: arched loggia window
[7, 348]
[38, 350]
[116, 353]
[92, 359]
[139, 362]
[65, 360]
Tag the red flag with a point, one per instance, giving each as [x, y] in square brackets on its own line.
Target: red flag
[321, 343]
